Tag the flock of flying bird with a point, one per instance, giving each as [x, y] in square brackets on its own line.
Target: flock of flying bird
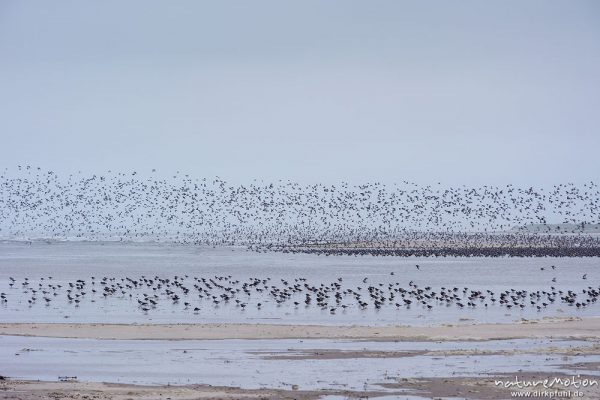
[373, 218]
[198, 293]
[367, 219]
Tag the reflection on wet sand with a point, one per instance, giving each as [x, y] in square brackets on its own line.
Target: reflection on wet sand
[316, 367]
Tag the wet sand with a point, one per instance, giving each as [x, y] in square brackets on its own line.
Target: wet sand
[335, 354]
[564, 328]
[455, 387]
[578, 355]
[394, 365]
[32, 390]
[486, 388]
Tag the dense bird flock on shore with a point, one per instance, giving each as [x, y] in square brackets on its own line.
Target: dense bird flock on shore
[373, 218]
[196, 293]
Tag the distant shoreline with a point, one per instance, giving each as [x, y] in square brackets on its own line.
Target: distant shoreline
[497, 251]
[517, 244]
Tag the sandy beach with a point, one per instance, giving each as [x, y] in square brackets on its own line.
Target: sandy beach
[31, 390]
[573, 344]
[566, 328]
[472, 388]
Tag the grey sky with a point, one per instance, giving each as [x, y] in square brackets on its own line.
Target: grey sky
[459, 92]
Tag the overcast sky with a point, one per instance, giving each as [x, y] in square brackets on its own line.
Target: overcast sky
[466, 92]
